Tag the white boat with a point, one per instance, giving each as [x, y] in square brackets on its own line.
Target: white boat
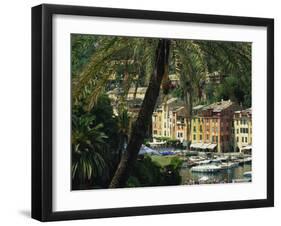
[244, 160]
[204, 162]
[229, 165]
[203, 179]
[210, 168]
[219, 159]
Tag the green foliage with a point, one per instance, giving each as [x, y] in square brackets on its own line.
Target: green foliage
[171, 172]
[82, 47]
[133, 182]
[93, 144]
[88, 146]
[148, 172]
[234, 89]
[232, 59]
[110, 56]
[177, 92]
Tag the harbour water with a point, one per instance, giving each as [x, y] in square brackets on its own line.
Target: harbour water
[223, 176]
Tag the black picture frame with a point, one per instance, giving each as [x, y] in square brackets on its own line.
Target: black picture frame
[42, 111]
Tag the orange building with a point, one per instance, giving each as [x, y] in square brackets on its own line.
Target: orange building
[211, 127]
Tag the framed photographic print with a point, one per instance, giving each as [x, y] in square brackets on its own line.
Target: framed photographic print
[147, 112]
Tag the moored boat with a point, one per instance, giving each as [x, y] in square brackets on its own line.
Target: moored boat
[209, 168]
[229, 165]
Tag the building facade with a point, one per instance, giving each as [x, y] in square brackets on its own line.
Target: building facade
[242, 123]
[211, 127]
[169, 120]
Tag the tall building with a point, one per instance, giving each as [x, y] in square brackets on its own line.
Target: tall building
[211, 127]
[169, 120]
[242, 121]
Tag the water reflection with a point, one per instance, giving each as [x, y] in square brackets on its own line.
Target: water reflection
[224, 176]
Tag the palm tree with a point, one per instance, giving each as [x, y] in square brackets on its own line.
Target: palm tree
[140, 126]
[190, 65]
[191, 59]
[123, 122]
[88, 146]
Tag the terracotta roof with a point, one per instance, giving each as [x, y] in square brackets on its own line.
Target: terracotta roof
[219, 106]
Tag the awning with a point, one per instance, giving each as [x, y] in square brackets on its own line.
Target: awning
[212, 146]
[249, 147]
[205, 146]
[196, 145]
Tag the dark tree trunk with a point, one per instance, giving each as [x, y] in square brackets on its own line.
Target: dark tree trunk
[141, 125]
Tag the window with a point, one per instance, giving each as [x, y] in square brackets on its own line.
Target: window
[246, 140]
[213, 139]
[237, 122]
[155, 132]
[237, 139]
[241, 131]
[221, 138]
[217, 139]
[194, 137]
[200, 137]
[201, 128]
[165, 133]
[237, 131]
[242, 139]
[207, 137]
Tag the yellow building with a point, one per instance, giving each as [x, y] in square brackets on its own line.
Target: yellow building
[169, 120]
[242, 122]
